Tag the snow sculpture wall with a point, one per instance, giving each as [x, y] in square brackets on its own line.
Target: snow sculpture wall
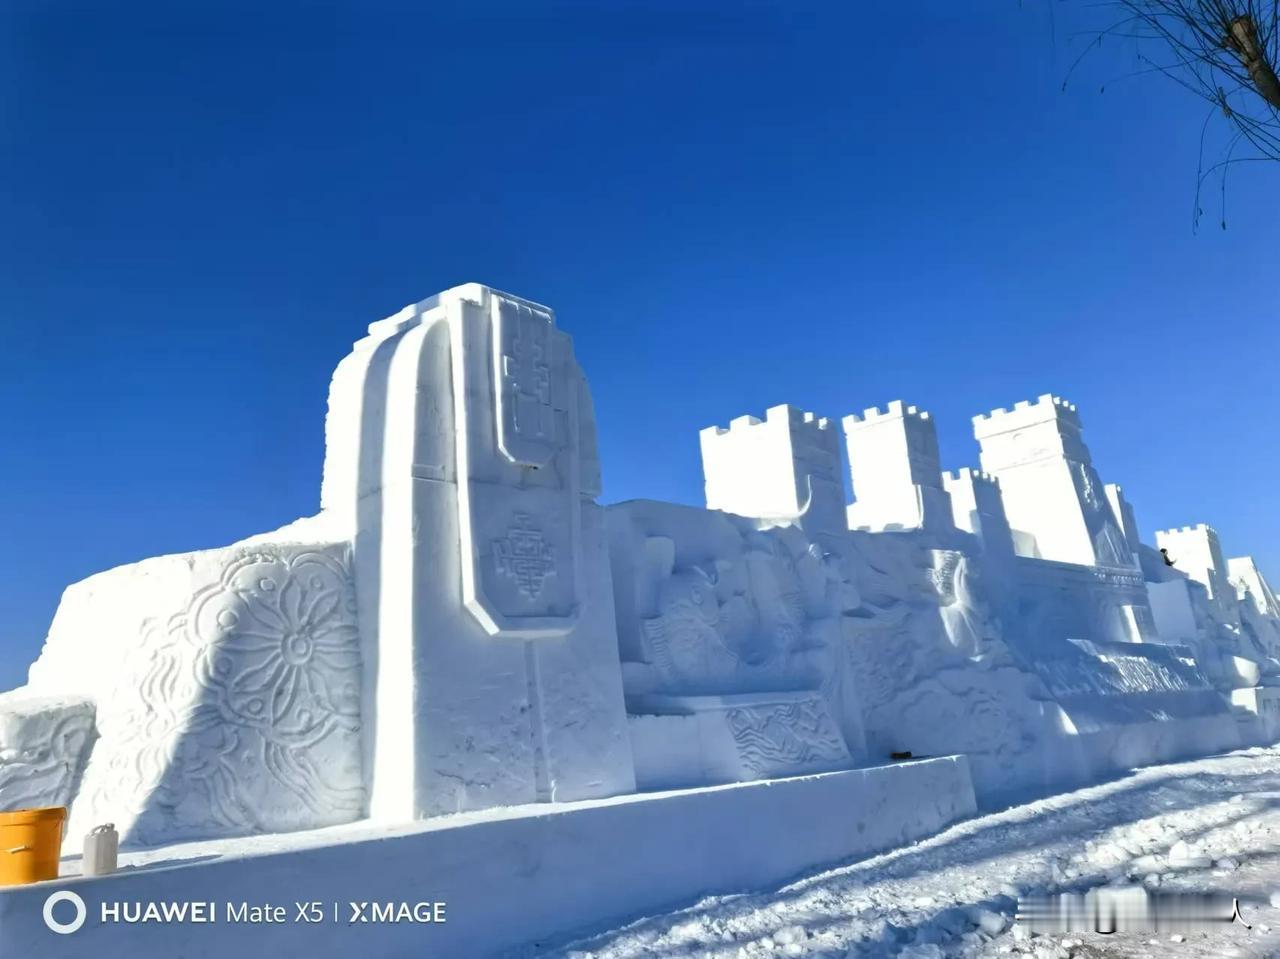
[463, 627]
[1034, 667]
[227, 686]
[461, 448]
[441, 637]
[912, 642]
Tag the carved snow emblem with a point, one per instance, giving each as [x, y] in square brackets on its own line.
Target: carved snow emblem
[524, 555]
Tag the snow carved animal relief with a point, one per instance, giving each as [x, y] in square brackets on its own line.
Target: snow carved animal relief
[735, 620]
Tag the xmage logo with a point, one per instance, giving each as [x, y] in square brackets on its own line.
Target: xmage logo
[64, 928]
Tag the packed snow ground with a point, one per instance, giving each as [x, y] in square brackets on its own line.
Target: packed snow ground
[1210, 825]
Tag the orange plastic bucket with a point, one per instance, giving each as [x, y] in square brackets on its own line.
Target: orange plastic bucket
[30, 844]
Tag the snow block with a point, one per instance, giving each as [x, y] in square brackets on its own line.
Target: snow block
[509, 877]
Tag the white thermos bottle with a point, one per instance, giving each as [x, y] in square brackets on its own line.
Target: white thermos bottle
[100, 848]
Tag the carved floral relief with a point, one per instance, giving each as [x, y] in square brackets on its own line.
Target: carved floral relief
[241, 713]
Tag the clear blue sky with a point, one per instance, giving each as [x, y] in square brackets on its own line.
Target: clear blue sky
[730, 206]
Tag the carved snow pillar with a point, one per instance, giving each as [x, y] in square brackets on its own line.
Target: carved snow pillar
[461, 437]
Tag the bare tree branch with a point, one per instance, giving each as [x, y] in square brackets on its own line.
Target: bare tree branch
[1224, 51]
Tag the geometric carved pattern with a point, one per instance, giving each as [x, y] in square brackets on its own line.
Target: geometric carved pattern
[524, 555]
[241, 713]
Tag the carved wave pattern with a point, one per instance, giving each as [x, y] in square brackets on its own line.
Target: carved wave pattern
[782, 738]
[241, 714]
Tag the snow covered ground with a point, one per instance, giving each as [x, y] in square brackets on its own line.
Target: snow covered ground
[1210, 825]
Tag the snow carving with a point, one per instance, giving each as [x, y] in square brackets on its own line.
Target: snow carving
[739, 617]
[986, 714]
[525, 556]
[760, 616]
[43, 746]
[778, 738]
[702, 740]
[685, 640]
[965, 614]
[1063, 601]
[1129, 669]
[239, 714]
[280, 640]
[931, 669]
[713, 627]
